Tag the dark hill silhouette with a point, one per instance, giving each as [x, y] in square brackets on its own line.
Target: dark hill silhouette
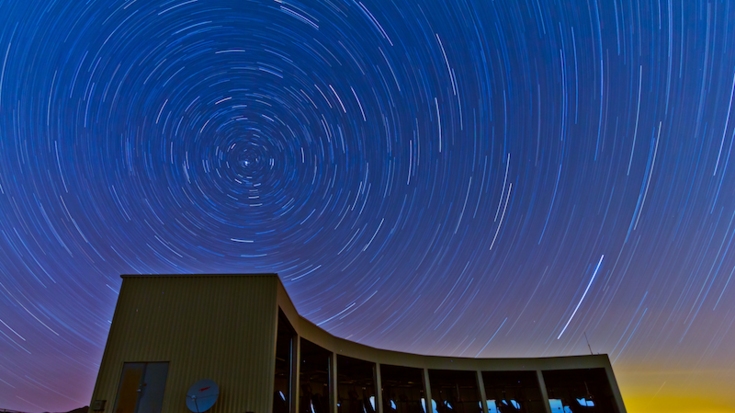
[79, 410]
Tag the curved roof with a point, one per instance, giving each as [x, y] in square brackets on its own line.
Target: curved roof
[319, 336]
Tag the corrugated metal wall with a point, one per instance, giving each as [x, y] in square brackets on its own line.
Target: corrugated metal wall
[223, 327]
[216, 327]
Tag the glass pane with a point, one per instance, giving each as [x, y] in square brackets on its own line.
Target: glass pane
[403, 389]
[284, 349]
[127, 393]
[579, 390]
[455, 391]
[514, 391]
[154, 383]
[355, 385]
[314, 378]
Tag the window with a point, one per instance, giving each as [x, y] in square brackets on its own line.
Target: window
[578, 390]
[284, 350]
[455, 391]
[141, 388]
[314, 378]
[355, 385]
[516, 391]
[403, 389]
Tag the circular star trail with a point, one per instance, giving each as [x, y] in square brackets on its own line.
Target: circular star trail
[468, 178]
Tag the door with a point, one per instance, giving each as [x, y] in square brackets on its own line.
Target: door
[141, 388]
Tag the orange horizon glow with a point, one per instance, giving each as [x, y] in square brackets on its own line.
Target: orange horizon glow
[676, 390]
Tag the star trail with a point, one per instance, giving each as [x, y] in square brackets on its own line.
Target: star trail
[468, 178]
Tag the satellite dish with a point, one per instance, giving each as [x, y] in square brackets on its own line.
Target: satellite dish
[202, 395]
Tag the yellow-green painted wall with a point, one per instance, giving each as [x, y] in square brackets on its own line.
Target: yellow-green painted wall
[215, 327]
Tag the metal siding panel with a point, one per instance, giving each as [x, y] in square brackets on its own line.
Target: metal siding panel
[217, 327]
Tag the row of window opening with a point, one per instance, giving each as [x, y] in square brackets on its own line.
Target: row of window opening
[403, 388]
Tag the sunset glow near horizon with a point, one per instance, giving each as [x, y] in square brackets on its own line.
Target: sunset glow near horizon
[467, 178]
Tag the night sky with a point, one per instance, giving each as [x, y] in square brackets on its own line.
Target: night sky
[471, 178]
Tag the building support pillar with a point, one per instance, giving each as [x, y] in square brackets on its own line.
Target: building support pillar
[544, 393]
[333, 396]
[483, 396]
[429, 407]
[296, 373]
[378, 389]
[615, 389]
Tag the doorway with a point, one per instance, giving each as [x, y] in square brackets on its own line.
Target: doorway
[141, 388]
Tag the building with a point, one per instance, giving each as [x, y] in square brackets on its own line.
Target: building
[243, 332]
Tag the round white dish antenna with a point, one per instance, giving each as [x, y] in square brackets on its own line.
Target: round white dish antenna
[202, 395]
